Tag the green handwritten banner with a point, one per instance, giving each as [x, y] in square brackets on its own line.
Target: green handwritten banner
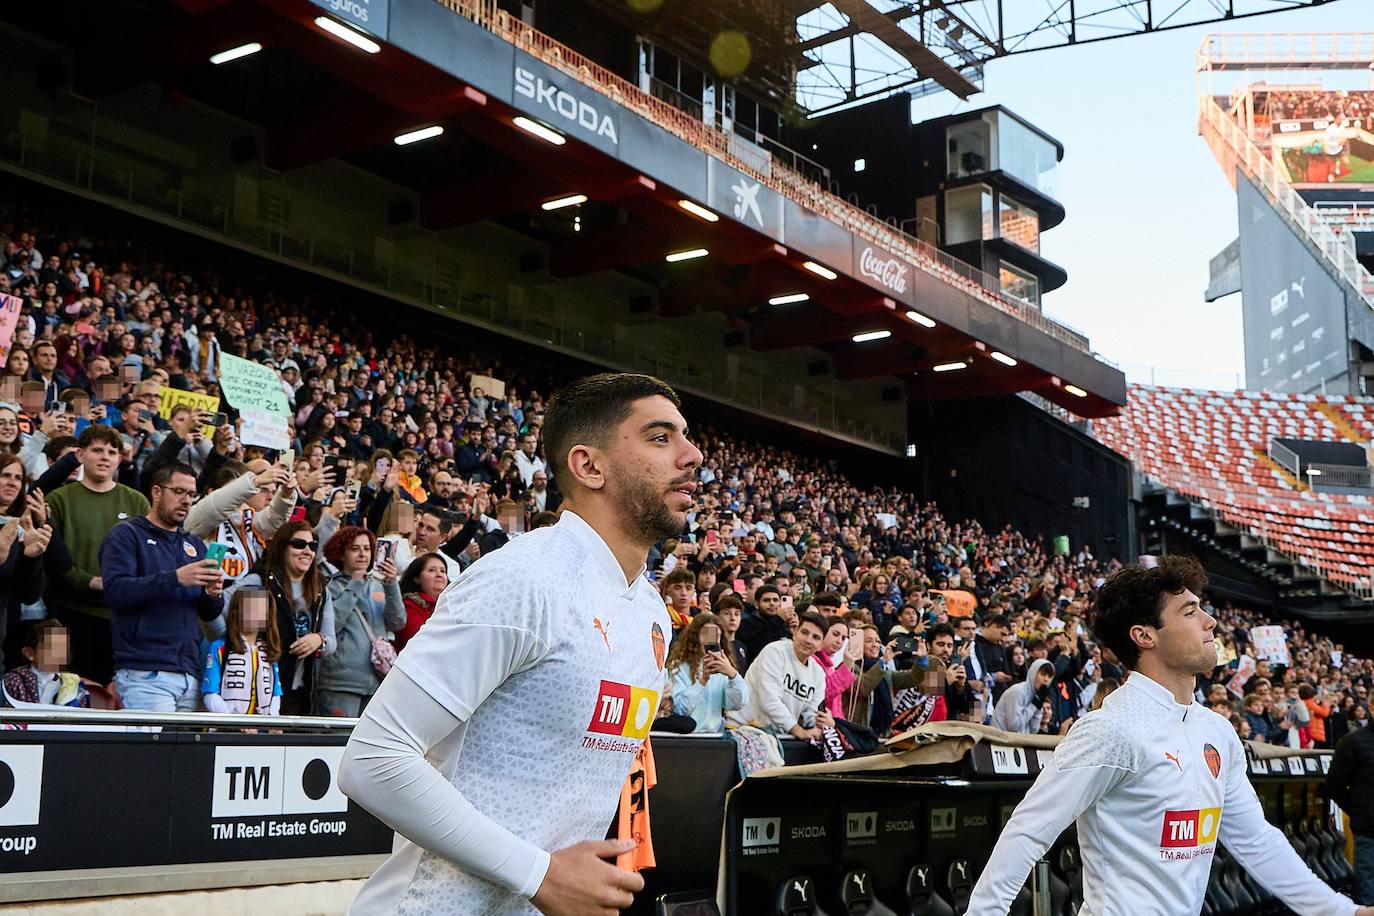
[251, 386]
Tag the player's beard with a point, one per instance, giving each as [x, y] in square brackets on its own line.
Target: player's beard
[644, 510]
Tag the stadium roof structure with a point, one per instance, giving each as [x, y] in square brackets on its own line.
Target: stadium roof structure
[849, 51]
[669, 200]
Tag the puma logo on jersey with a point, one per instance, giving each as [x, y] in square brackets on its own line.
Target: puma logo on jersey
[1168, 756]
[602, 628]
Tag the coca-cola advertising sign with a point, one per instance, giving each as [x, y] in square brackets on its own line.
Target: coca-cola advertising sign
[890, 272]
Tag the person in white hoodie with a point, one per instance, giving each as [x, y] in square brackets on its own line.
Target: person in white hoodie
[1021, 708]
[786, 685]
[1153, 778]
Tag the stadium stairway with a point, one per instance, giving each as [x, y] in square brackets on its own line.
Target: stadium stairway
[1208, 480]
[1338, 420]
[1263, 458]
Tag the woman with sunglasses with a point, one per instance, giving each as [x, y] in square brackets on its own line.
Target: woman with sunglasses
[289, 570]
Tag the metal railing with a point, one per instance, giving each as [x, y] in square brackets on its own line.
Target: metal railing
[1276, 49]
[780, 177]
[1285, 458]
[1357, 586]
[138, 718]
[1320, 475]
[1234, 148]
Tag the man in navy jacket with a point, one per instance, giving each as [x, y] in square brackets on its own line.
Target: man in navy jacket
[160, 586]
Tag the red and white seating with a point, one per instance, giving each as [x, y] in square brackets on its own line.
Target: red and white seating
[1211, 445]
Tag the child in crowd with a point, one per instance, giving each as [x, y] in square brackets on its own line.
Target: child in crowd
[42, 681]
[241, 669]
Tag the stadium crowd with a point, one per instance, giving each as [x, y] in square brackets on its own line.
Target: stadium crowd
[150, 559]
[1313, 104]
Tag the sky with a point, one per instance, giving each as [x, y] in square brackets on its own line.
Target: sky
[1148, 206]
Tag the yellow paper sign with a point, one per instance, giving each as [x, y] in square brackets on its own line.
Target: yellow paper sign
[168, 398]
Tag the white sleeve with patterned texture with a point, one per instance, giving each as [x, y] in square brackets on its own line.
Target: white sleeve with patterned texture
[385, 770]
[1087, 765]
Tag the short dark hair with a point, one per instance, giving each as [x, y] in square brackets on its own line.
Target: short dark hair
[107, 434]
[814, 619]
[55, 446]
[1135, 596]
[679, 574]
[835, 620]
[1306, 691]
[766, 590]
[444, 519]
[940, 629]
[998, 620]
[728, 601]
[166, 472]
[34, 636]
[588, 411]
[830, 600]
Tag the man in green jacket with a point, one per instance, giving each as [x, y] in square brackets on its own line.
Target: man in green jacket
[83, 512]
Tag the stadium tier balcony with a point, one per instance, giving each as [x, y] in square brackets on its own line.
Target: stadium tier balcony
[1218, 450]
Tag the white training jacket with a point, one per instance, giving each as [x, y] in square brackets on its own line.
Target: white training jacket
[1153, 785]
[508, 726]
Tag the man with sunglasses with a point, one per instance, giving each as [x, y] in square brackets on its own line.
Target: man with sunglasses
[160, 586]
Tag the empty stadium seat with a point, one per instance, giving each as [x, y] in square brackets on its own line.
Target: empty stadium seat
[921, 898]
[854, 896]
[796, 896]
[1212, 447]
[959, 884]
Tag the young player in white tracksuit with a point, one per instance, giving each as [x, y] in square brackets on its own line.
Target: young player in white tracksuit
[1153, 778]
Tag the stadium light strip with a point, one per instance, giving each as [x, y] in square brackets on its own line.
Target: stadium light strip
[1002, 358]
[415, 136]
[697, 209]
[547, 134]
[224, 57]
[1076, 391]
[789, 299]
[688, 255]
[949, 367]
[571, 200]
[820, 270]
[920, 319]
[866, 336]
[352, 36]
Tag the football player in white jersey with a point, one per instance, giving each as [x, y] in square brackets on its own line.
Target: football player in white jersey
[1153, 778]
[498, 745]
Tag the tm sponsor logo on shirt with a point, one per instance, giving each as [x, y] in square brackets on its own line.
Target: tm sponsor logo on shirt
[1189, 833]
[621, 711]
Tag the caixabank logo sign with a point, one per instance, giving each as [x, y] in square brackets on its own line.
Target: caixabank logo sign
[277, 791]
[21, 798]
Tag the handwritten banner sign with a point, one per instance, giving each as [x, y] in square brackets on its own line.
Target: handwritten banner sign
[252, 386]
[492, 387]
[1244, 669]
[261, 427]
[1270, 644]
[10, 307]
[958, 602]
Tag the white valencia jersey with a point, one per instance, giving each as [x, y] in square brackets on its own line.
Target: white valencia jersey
[1153, 786]
[553, 666]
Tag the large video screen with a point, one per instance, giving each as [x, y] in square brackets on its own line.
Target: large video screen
[1321, 137]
